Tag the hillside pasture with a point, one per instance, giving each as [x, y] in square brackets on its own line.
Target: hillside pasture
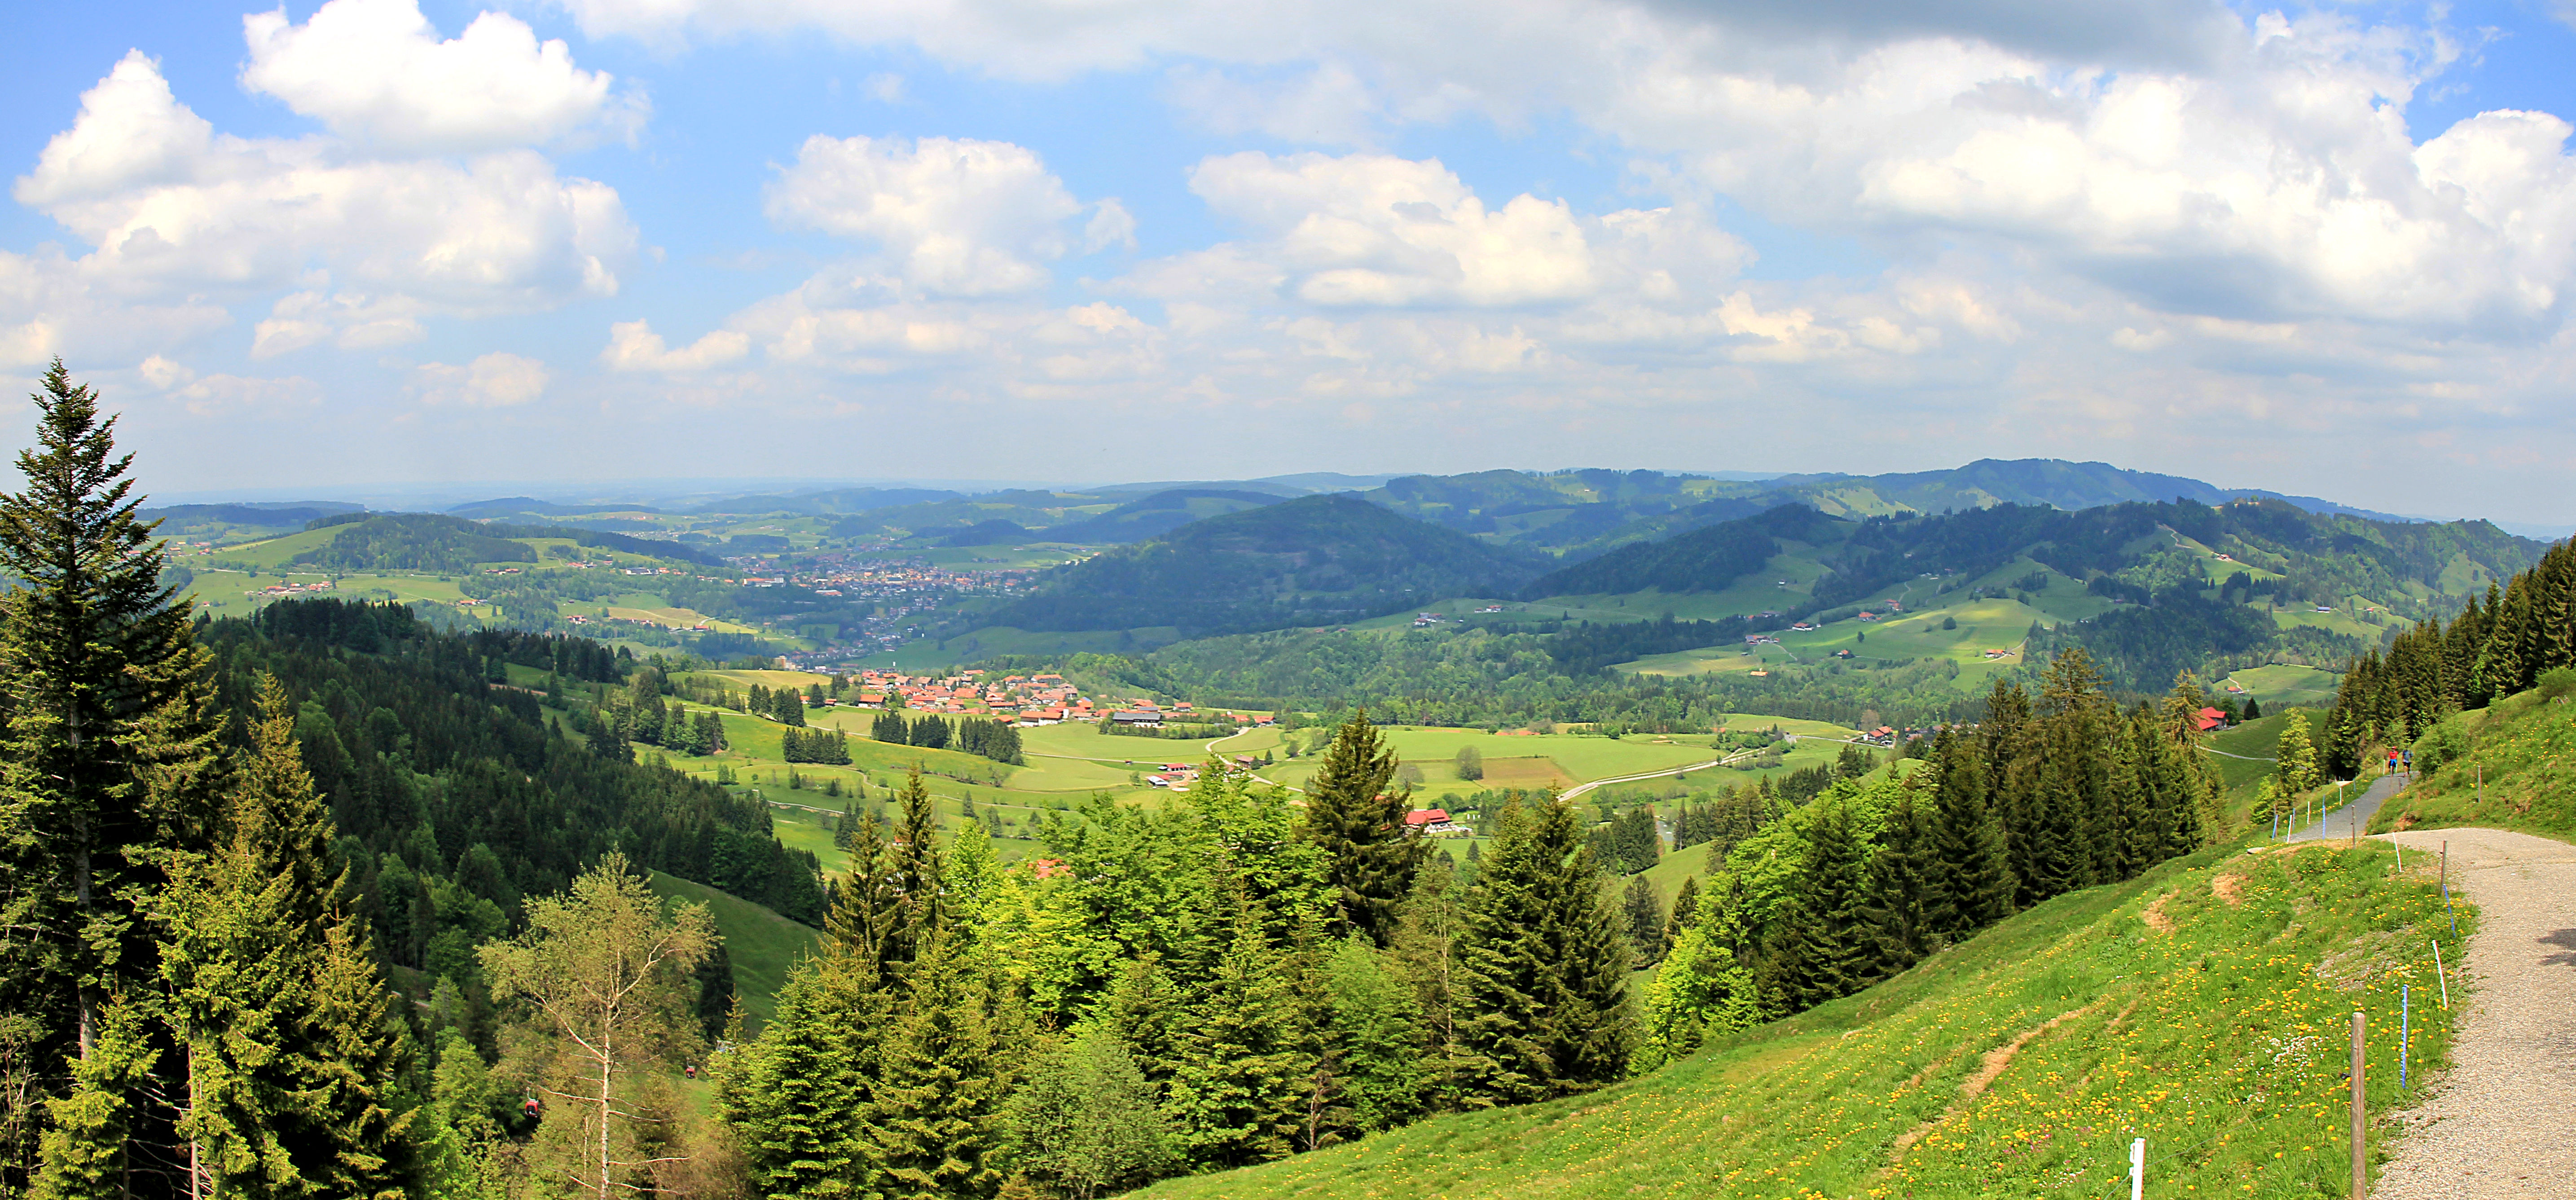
[2086, 1025]
[2287, 685]
[762, 945]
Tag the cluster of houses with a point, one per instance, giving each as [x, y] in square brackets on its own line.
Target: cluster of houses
[1043, 699]
[275, 590]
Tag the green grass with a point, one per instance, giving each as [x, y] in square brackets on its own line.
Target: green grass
[2278, 685]
[2523, 748]
[763, 945]
[2219, 1042]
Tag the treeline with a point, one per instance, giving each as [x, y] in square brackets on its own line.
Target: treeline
[1214, 985]
[2050, 794]
[996, 740]
[556, 654]
[830, 747]
[2524, 629]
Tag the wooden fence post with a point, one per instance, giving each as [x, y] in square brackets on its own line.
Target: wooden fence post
[2360, 1114]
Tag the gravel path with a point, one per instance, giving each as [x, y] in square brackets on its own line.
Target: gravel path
[2503, 1122]
[2342, 822]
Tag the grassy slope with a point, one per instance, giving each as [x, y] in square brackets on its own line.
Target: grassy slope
[763, 945]
[2217, 1042]
[2527, 746]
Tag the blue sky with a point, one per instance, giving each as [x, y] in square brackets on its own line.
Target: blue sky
[2322, 250]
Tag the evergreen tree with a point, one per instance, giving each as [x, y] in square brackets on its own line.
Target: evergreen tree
[275, 998]
[1426, 954]
[108, 760]
[1350, 814]
[2009, 749]
[939, 1107]
[1975, 877]
[1685, 911]
[2074, 812]
[1907, 905]
[1645, 913]
[2253, 709]
[1827, 948]
[1544, 965]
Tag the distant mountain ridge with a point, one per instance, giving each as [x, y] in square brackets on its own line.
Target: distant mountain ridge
[1315, 560]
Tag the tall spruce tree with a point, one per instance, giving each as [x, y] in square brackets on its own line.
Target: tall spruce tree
[274, 998]
[1685, 910]
[1545, 965]
[1975, 877]
[1352, 816]
[2074, 814]
[108, 763]
[2008, 746]
[1645, 912]
[1828, 947]
[1906, 906]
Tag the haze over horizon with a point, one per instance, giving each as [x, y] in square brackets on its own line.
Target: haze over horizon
[2322, 251]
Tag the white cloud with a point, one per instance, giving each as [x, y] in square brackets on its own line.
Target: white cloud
[633, 346]
[353, 321]
[495, 380]
[956, 216]
[172, 207]
[1370, 229]
[376, 72]
[1111, 225]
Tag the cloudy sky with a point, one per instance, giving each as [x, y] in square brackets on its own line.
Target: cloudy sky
[2323, 249]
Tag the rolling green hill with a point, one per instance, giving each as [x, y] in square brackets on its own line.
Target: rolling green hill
[1310, 561]
[2193, 1007]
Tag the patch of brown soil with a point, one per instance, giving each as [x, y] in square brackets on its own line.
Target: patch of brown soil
[2230, 888]
[2405, 821]
[2155, 915]
[1989, 1069]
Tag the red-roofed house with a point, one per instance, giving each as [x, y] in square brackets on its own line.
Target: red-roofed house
[2209, 719]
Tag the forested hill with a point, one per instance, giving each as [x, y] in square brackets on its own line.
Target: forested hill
[1311, 561]
[432, 542]
[1703, 560]
[451, 793]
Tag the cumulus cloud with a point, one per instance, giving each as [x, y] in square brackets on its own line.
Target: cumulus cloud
[495, 380]
[376, 72]
[1378, 230]
[957, 216]
[633, 346]
[172, 208]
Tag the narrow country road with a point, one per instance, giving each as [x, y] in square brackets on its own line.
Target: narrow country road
[2502, 1123]
[2352, 818]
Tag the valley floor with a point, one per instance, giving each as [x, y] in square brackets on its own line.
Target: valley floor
[2497, 1124]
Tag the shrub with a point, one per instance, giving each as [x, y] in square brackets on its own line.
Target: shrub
[2556, 682]
[2445, 743]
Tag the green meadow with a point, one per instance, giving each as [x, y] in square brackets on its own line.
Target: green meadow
[2198, 1006]
[762, 945]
